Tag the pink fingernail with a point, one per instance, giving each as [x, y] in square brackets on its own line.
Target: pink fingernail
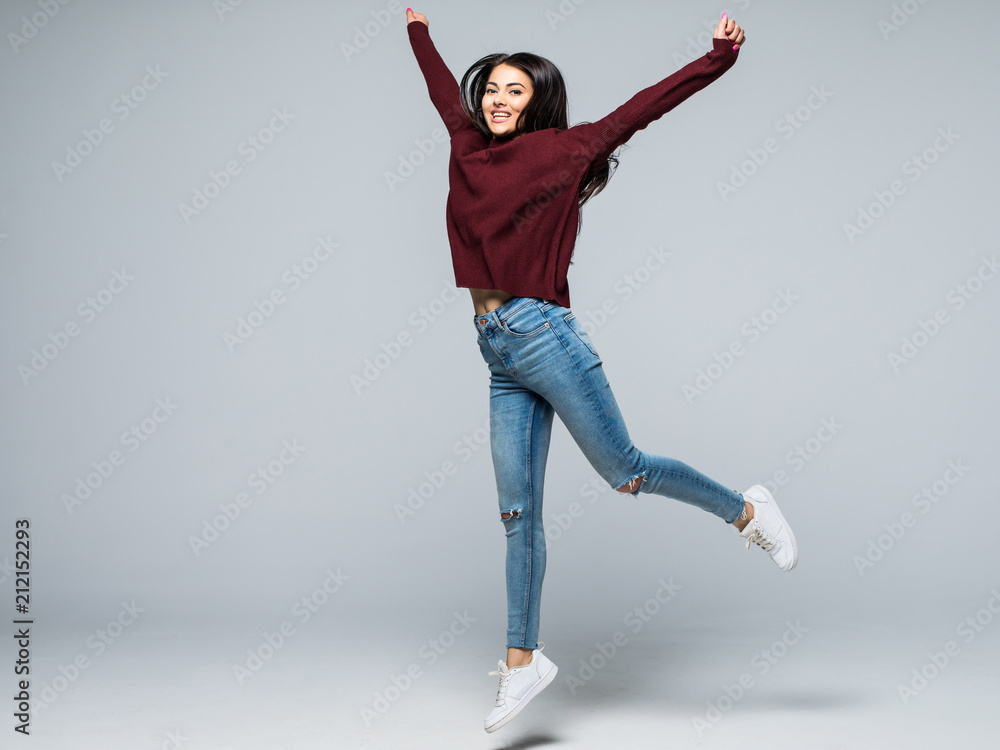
[736, 46]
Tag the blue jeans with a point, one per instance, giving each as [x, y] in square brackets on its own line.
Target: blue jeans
[542, 362]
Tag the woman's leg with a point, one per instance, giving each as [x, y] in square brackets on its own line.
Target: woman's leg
[567, 371]
[520, 430]
[571, 377]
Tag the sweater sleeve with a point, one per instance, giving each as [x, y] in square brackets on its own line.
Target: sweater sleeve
[441, 84]
[598, 140]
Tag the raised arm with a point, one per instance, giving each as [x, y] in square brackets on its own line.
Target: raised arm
[441, 84]
[599, 139]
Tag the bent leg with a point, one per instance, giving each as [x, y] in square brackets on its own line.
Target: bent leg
[573, 380]
[672, 478]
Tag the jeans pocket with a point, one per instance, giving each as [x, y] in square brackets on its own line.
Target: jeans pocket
[577, 327]
[526, 320]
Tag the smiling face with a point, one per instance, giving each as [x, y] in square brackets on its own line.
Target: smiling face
[507, 94]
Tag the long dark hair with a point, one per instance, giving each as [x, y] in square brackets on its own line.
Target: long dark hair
[545, 109]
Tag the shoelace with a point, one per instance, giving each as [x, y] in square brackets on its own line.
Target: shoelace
[505, 673]
[502, 690]
[758, 537]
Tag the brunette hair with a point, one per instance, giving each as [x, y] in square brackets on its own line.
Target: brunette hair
[546, 108]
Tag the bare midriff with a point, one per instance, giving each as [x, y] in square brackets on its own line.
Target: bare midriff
[487, 300]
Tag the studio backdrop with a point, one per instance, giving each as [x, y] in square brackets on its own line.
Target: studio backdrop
[244, 413]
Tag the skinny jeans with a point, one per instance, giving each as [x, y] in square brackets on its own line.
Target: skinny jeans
[542, 362]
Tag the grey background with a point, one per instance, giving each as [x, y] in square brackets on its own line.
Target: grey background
[356, 118]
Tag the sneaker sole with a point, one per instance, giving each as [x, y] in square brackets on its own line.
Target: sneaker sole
[774, 506]
[541, 685]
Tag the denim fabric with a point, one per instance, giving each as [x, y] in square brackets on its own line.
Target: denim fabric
[542, 363]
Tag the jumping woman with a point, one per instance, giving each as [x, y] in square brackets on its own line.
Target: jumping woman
[518, 176]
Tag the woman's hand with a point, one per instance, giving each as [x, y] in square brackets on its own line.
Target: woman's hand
[727, 29]
[411, 16]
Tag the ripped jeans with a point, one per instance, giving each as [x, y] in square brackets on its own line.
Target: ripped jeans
[542, 362]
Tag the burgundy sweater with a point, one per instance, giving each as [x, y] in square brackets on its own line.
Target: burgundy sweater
[512, 205]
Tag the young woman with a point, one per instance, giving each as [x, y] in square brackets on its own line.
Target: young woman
[518, 176]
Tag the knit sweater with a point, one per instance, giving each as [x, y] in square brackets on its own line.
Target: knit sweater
[512, 205]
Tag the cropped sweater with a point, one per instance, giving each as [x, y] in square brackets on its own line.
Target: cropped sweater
[512, 205]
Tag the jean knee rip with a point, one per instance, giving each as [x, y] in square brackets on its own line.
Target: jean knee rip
[512, 513]
[633, 484]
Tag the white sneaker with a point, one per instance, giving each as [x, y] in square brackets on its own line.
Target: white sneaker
[768, 529]
[518, 685]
